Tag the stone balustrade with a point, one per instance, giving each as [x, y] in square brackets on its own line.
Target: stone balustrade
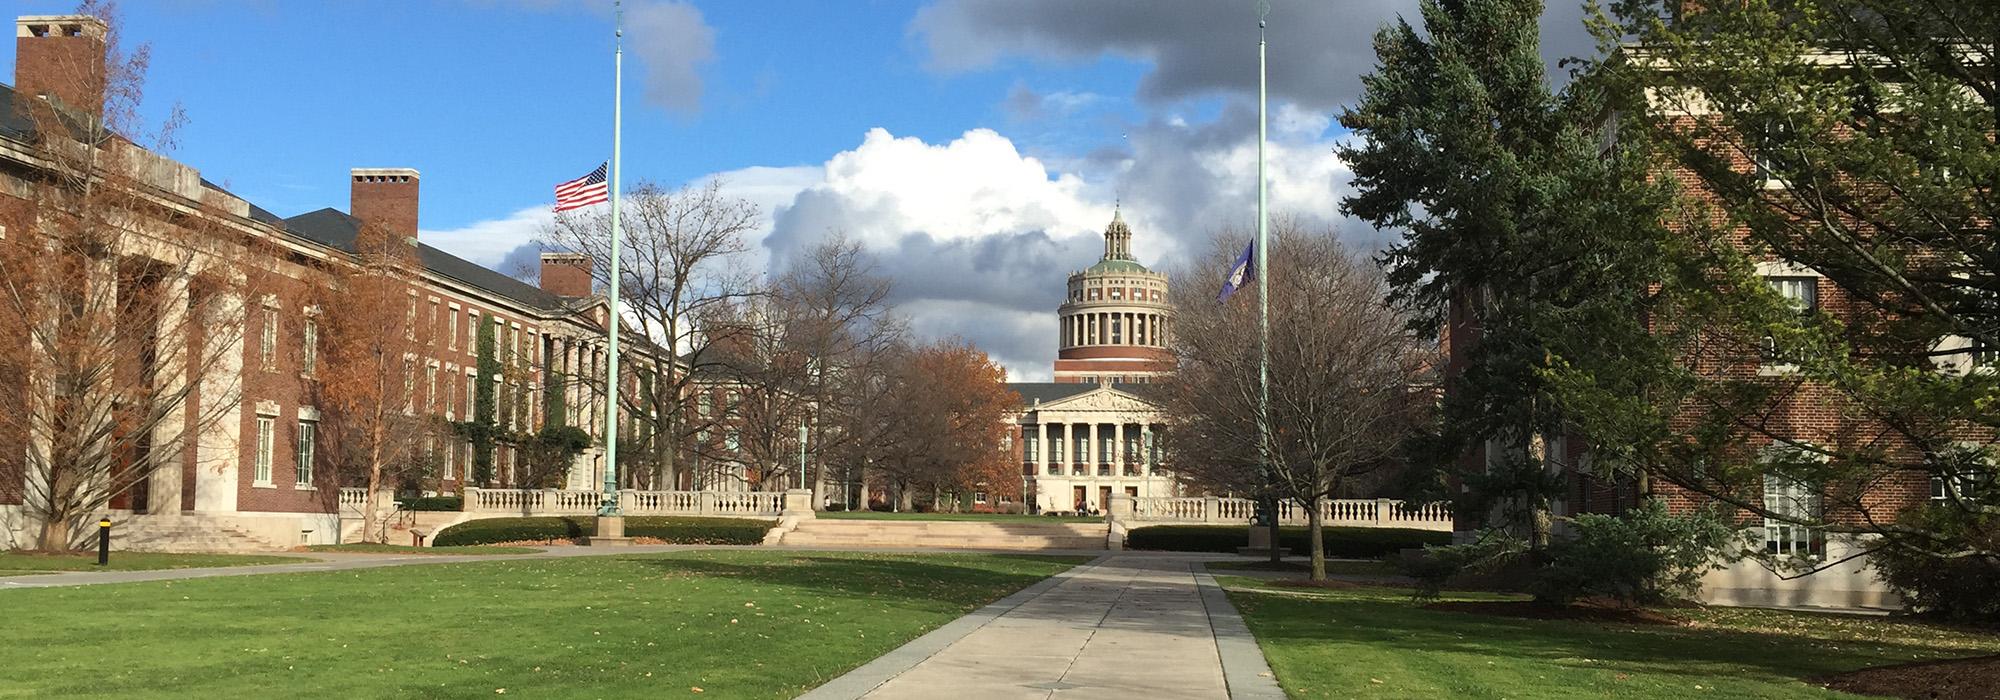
[526, 502]
[1370, 512]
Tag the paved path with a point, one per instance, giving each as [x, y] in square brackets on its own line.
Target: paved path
[1124, 626]
[330, 561]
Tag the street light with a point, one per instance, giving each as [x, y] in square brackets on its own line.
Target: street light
[802, 454]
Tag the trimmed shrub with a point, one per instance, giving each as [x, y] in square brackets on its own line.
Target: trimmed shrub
[1641, 556]
[435, 503]
[1340, 542]
[674, 530]
[1953, 588]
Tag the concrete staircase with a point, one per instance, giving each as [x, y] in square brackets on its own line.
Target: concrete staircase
[186, 534]
[946, 534]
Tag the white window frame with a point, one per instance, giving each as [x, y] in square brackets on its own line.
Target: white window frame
[267, 345]
[267, 428]
[307, 450]
[1783, 279]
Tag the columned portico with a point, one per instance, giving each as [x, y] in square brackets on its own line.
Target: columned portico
[1090, 441]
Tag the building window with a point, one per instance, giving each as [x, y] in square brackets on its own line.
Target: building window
[410, 319]
[1792, 500]
[979, 497]
[266, 433]
[430, 331]
[1029, 443]
[431, 388]
[471, 393]
[267, 346]
[1803, 293]
[309, 347]
[308, 438]
[450, 459]
[451, 317]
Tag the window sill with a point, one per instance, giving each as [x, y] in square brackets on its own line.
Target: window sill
[1777, 370]
[263, 485]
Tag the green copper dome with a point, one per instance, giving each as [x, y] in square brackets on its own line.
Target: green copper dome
[1128, 266]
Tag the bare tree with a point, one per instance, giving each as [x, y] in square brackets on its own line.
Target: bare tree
[121, 296]
[681, 264]
[838, 319]
[1346, 380]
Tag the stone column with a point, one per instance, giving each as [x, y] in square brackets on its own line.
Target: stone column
[218, 456]
[1118, 455]
[1041, 447]
[171, 349]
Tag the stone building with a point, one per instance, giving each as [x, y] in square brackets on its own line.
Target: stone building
[1092, 432]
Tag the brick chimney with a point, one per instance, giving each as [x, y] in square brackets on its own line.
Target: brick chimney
[61, 56]
[386, 198]
[566, 274]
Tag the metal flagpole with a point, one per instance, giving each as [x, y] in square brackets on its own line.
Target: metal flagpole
[610, 505]
[1264, 300]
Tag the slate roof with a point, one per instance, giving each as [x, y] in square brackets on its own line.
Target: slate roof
[337, 229]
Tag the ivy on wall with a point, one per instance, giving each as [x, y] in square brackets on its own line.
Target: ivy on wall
[482, 430]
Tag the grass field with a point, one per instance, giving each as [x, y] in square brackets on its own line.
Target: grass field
[378, 548]
[999, 517]
[735, 624]
[1374, 643]
[12, 563]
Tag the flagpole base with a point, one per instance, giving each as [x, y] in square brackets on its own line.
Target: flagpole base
[610, 533]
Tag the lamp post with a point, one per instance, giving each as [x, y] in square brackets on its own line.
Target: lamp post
[802, 454]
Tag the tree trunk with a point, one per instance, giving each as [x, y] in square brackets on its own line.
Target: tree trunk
[369, 516]
[55, 535]
[905, 501]
[1313, 532]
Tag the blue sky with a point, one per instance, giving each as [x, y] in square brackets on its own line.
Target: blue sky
[976, 146]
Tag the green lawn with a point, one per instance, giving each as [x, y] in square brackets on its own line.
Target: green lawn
[12, 563]
[378, 548]
[737, 623]
[1002, 517]
[1374, 643]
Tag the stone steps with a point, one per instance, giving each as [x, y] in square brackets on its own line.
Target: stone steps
[185, 535]
[946, 534]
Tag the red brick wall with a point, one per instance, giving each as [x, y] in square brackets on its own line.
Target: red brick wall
[70, 67]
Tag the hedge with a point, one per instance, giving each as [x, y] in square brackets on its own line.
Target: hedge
[435, 503]
[673, 530]
[1342, 542]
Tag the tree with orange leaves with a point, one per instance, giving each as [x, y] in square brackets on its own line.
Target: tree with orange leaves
[372, 427]
[939, 422]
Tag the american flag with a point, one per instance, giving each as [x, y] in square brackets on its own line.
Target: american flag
[583, 191]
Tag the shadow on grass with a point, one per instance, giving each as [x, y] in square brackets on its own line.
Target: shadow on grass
[960, 580]
[1384, 620]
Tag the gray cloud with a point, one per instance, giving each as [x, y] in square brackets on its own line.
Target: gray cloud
[674, 42]
[670, 39]
[1318, 49]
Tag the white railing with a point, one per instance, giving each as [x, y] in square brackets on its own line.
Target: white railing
[353, 497]
[585, 502]
[1372, 512]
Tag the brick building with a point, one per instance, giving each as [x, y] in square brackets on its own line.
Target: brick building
[1800, 415]
[256, 472]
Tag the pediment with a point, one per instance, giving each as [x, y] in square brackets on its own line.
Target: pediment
[1104, 399]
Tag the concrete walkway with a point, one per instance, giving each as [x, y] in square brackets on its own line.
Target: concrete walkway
[1124, 626]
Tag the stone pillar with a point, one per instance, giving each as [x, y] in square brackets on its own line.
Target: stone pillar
[164, 487]
[1041, 446]
[1119, 454]
[218, 456]
[1119, 514]
[798, 504]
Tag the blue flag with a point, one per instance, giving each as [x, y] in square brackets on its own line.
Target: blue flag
[1240, 272]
